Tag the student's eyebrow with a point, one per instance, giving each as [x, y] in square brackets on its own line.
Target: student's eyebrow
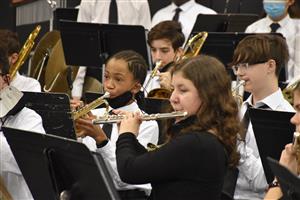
[119, 74]
[164, 48]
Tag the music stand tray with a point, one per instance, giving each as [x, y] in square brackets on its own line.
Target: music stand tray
[272, 130]
[90, 44]
[54, 167]
[289, 183]
[54, 108]
[236, 22]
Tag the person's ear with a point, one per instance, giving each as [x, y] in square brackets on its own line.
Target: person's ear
[13, 58]
[136, 88]
[271, 66]
[178, 53]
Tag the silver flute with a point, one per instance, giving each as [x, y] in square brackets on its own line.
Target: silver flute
[117, 118]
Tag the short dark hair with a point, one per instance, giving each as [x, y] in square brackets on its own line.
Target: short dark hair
[4, 64]
[11, 41]
[260, 48]
[136, 64]
[170, 30]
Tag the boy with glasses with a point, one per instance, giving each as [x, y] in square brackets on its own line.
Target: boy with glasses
[278, 20]
[257, 60]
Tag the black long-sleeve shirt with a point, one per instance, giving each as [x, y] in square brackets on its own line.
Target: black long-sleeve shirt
[190, 166]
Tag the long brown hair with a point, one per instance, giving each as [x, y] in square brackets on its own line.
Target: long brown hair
[218, 111]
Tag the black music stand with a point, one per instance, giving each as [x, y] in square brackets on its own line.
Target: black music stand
[90, 44]
[289, 183]
[54, 108]
[54, 166]
[272, 130]
[236, 22]
[64, 14]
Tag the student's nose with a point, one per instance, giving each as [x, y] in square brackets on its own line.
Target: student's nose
[173, 97]
[157, 56]
[296, 120]
[109, 83]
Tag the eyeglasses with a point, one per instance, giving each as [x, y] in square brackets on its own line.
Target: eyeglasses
[242, 66]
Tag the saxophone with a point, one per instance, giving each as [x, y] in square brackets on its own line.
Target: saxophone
[24, 52]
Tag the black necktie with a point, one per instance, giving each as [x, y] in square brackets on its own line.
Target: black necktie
[113, 12]
[107, 128]
[274, 27]
[176, 16]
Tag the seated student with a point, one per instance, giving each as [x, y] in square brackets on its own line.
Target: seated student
[129, 12]
[25, 119]
[193, 162]
[165, 40]
[278, 20]
[288, 156]
[183, 11]
[22, 83]
[257, 60]
[124, 74]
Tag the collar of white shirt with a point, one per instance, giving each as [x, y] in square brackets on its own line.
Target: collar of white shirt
[272, 100]
[282, 22]
[184, 7]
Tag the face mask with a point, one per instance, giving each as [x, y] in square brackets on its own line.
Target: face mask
[275, 10]
[121, 100]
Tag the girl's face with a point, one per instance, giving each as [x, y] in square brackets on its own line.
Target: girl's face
[118, 79]
[185, 95]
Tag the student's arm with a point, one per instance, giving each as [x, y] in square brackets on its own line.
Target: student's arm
[78, 83]
[170, 161]
[289, 160]
[144, 14]
[85, 10]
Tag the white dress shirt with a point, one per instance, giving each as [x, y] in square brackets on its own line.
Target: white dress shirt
[289, 28]
[24, 83]
[148, 133]
[130, 12]
[26, 119]
[187, 17]
[251, 182]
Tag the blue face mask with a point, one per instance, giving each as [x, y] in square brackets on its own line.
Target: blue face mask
[275, 10]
